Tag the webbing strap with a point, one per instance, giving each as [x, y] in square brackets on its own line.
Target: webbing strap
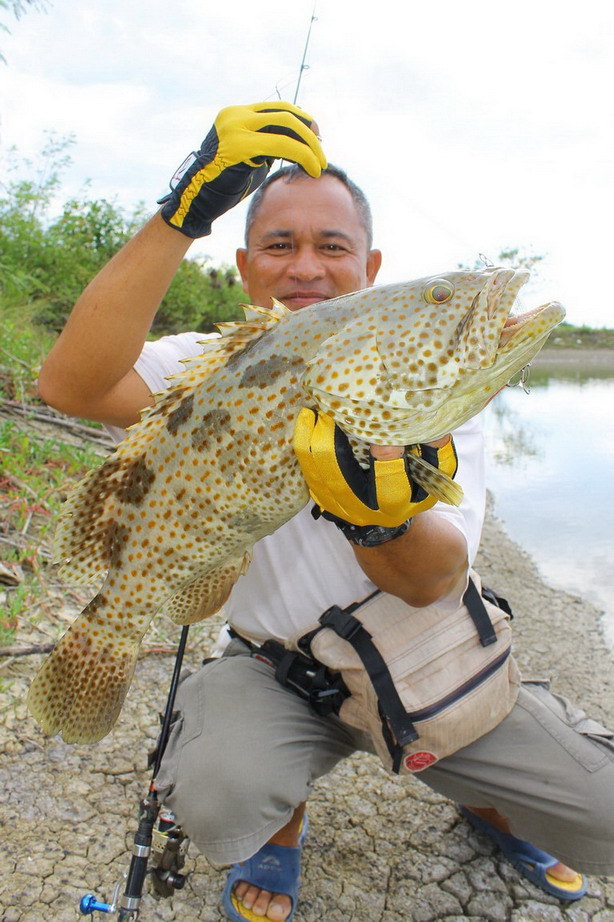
[350, 628]
[479, 615]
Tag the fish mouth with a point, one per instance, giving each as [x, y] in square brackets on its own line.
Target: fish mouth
[535, 323]
[499, 300]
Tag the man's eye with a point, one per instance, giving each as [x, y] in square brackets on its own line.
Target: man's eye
[280, 246]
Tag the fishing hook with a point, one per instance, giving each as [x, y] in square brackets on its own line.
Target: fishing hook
[523, 379]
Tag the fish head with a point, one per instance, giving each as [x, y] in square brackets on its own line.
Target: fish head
[425, 356]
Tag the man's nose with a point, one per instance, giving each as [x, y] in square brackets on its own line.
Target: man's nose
[307, 263]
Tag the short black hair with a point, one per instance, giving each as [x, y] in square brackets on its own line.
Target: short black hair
[294, 172]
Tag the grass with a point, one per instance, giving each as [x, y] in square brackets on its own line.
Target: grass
[23, 346]
[36, 471]
[35, 476]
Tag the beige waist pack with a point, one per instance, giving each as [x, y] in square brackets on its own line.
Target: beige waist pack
[422, 682]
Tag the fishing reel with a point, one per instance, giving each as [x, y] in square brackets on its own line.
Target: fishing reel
[161, 861]
[167, 858]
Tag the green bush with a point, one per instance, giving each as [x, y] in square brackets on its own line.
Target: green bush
[45, 262]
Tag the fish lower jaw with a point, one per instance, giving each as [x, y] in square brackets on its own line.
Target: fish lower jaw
[550, 314]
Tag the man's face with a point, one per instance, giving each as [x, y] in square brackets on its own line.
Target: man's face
[306, 244]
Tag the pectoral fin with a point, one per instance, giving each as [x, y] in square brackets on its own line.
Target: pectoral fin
[434, 481]
[205, 595]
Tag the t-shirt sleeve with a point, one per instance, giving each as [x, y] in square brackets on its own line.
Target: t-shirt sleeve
[469, 516]
[159, 360]
[163, 357]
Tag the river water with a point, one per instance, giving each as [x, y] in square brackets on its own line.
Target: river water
[550, 469]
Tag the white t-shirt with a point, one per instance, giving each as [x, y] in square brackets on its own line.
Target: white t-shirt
[306, 566]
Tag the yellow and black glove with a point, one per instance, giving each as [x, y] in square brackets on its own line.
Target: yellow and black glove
[369, 506]
[234, 160]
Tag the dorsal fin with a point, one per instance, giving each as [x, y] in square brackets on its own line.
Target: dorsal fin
[254, 312]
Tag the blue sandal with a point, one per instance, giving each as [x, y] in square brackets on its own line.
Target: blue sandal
[276, 868]
[530, 861]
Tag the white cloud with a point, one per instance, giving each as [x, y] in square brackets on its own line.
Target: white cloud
[470, 130]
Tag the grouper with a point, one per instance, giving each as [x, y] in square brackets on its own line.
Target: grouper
[172, 514]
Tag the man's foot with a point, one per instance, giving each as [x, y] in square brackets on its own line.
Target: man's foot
[277, 864]
[542, 869]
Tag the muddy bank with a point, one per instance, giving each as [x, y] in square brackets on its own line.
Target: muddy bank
[379, 849]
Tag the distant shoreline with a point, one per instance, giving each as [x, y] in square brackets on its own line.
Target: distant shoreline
[601, 358]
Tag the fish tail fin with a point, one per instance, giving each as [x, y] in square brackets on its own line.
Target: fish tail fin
[80, 688]
[436, 482]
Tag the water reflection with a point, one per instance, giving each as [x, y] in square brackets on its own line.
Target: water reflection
[550, 465]
[513, 442]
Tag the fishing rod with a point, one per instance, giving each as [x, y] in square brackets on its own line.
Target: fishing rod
[303, 65]
[162, 844]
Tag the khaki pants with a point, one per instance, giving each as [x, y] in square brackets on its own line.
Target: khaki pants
[244, 752]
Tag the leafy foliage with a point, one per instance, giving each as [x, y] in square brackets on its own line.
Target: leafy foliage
[46, 262]
[18, 8]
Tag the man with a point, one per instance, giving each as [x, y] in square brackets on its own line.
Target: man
[244, 753]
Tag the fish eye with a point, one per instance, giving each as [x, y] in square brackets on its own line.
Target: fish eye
[438, 291]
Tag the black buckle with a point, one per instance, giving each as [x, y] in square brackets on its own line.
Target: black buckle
[341, 622]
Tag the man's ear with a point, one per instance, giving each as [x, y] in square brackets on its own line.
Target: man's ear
[241, 259]
[374, 261]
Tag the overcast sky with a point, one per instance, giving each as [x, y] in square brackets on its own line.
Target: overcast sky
[472, 126]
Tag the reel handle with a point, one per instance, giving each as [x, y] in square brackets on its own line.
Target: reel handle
[90, 904]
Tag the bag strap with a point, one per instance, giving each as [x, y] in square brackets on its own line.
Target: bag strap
[479, 615]
[346, 626]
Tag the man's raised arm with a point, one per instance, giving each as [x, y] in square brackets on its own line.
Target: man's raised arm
[89, 372]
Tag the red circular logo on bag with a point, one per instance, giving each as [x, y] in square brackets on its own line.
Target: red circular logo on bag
[418, 761]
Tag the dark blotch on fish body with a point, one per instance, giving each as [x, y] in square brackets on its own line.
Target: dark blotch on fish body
[264, 372]
[117, 536]
[181, 414]
[212, 423]
[136, 483]
[248, 521]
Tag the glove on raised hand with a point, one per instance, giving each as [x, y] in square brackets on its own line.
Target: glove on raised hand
[345, 492]
[234, 160]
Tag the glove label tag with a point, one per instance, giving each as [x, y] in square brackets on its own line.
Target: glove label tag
[182, 169]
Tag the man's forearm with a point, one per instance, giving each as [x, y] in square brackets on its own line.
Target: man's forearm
[105, 332]
[421, 566]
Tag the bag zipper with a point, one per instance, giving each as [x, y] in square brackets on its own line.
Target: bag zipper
[433, 709]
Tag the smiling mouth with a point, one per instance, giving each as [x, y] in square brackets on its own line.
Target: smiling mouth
[303, 297]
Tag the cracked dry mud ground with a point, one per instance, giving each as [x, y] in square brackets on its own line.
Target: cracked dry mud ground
[380, 849]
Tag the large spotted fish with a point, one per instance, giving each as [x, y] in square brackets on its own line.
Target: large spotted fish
[172, 514]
